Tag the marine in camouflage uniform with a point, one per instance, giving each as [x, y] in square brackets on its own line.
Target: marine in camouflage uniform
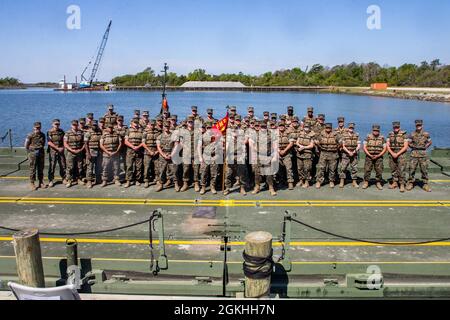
[93, 155]
[285, 174]
[317, 129]
[110, 116]
[397, 146]
[375, 148]
[135, 155]
[209, 167]
[189, 146]
[303, 147]
[195, 115]
[84, 128]
[262, 145]
[209, 120]
[34, 144]
[419, 141]
[235, 164]
[121, 130]
[266, 117]
[251, 113]
[55, 138]
[289, 116]
[111, 144]
[74, 145]
[165, 145]
[328, 143]
[309, 119]
[144, 119]
[294, 132]
[151, 153]
[351, 144]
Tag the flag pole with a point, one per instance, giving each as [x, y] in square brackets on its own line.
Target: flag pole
[224, 169]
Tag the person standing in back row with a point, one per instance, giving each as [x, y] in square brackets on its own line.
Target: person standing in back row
[34, 144]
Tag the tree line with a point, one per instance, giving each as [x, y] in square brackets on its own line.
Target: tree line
[427, 74]
[9, 82]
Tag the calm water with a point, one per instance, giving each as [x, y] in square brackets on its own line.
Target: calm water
[21, 108]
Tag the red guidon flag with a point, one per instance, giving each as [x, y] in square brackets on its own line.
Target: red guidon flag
[164, 106]
[222, 125]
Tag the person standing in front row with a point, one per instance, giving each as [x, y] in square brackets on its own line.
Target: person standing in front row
[55, 140]
[34, 144]
[397, 146]
[111, 144]
[419, 141]
[351, 145]
[375, 148]
[74, 144]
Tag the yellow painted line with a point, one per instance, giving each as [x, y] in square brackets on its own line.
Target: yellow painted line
[235, 243]
[240, 262]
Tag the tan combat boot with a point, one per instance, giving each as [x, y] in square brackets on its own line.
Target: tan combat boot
[138, 184]
[128, 184]
[272, 191]
[379, 186]
[291, 186]
[104, 184]
[213, 189]
[243, 192]
[33, 186]
[177, 186]
[226, 192]
[117, 183]
[355, 184]
[168, 183]
[185, 187]
[89, 185]
[331, 184]
[51, 184]
[69, 184]
[257, 189]
[402, 187]
[196, 187]
[299, 184]
[146, 185]
[81, 182]
[42, 185]
[342, 183]
[203, 190]
[426, 187]
[365, 185]
[318, 185]
[409, 186]
[394, 185]
[306, 184]
[159, 187]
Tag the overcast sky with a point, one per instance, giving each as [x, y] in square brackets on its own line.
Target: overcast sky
[219, 36]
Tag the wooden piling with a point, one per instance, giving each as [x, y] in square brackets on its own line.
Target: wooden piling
[258, 245]
[28, 258]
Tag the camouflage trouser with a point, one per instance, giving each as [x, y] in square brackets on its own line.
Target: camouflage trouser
[211, 171]
[235, 170]
[347, 163]
[259, 175]
[166, 169]
[93, 168]
[304, 168]
[56, 158]
[285, 173]
[74, 167]
[37, 162]
[108, 162]
[134, 165]
[150, 167]
[371, 164]
[187, 168]
[398, 168]
[327, 160]
[83, 165]
[422, 163]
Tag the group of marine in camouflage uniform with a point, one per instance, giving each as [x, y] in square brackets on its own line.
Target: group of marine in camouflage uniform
[91, 150]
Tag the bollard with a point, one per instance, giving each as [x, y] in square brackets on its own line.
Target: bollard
[28, 258]
[258, 264]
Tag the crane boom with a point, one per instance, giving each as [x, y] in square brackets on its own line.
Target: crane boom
[100, 54]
